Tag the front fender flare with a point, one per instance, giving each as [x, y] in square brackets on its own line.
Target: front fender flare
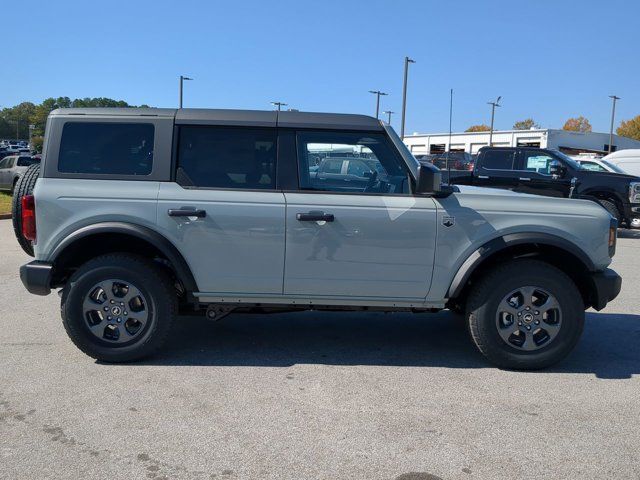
[497, 244]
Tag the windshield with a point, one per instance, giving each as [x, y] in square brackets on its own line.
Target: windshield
[570, 161]
[613, 167]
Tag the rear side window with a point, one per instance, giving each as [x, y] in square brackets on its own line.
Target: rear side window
[222, 157]
[106, 148]
[498, 159]
[26, 161]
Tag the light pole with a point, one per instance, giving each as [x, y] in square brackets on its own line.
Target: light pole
[407, 61]
[377, 93]
[182, 79]
[613, 116]
[493, 111]
[31, 127]
[389, 113]
[279, 105]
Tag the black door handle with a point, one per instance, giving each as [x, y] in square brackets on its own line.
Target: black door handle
[184, 212]
[315, 217]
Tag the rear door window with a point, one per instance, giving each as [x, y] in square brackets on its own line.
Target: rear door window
[498, 159]
[106, 148]
[223, 157]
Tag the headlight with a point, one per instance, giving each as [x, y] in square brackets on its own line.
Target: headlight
[634, 192]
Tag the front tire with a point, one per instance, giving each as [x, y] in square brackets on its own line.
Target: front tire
[525, 315]
[118, 307]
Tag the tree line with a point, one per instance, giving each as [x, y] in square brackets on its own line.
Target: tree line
[15, 121]
[628, 128]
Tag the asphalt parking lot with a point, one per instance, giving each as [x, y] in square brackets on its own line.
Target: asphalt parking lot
[315, 395]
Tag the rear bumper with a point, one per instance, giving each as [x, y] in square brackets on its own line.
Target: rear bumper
[606, 287]
[36, 277]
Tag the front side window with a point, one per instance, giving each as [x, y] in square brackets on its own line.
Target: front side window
[498, 159]
[222, 157]
[350, 162]
[593, 166]
[106, 148]
[538, 162]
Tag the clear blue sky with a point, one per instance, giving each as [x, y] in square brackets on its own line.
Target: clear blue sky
[548, 59]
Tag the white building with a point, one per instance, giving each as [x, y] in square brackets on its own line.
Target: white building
[571, 143]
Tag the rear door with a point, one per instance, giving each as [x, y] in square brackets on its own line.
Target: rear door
[496, 169]
[223, 211]
[377, 242]
[3, 170]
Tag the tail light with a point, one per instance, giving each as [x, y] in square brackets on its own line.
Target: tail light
[29, 217]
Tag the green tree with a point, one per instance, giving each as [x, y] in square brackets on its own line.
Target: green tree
[577, 124]
[526, 124]
[630, 128]
[478, 128]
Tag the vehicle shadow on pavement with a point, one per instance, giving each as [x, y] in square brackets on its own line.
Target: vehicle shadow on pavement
[608, 347]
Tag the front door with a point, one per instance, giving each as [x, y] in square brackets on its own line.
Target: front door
[223, 211]
[496, 169]
[377, 242]
[535, 176]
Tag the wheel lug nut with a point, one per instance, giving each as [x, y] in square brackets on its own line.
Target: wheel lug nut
[126, 313]
[119, 320]
[537, 322]
[528, 327]
[108, 318]
[520, 323]
[106, 309]
[519, 314]
[111, 301]
[536, 312]
[528, 308]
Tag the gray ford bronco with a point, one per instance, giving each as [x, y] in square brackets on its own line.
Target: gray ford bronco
[139, 215]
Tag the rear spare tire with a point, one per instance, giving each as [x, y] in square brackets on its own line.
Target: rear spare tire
[24, 186]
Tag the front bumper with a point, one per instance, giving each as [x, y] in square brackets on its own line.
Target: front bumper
[632, 214]
[606, 286]
[36, 277]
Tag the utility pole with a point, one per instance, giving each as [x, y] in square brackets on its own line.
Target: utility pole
[377, 93]
[182, 80]
[278, 105]
[389, 113]
[493, 111]
[613, 116]
[407, 61]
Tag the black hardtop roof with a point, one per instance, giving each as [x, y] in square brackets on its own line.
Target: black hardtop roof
[264, 118]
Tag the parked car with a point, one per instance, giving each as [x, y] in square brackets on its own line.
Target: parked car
[627, 160]
[11, 168]
[551, 173]
[598, 165]
[351, 173]
[134, 228]
[453, 160]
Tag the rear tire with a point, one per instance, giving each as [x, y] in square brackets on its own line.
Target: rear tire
[24, 186]
[118, 307]
[547, 319]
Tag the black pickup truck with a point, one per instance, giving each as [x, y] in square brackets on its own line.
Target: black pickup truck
[551, 173]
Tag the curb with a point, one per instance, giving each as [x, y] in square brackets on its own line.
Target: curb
[5, 216]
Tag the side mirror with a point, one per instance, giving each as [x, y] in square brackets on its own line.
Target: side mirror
[557, 169]
[429, 179]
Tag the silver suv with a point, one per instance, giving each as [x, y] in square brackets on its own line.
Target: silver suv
[11, 168]
[139, 215]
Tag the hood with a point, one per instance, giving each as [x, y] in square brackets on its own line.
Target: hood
[609, 175]
[491, 191]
